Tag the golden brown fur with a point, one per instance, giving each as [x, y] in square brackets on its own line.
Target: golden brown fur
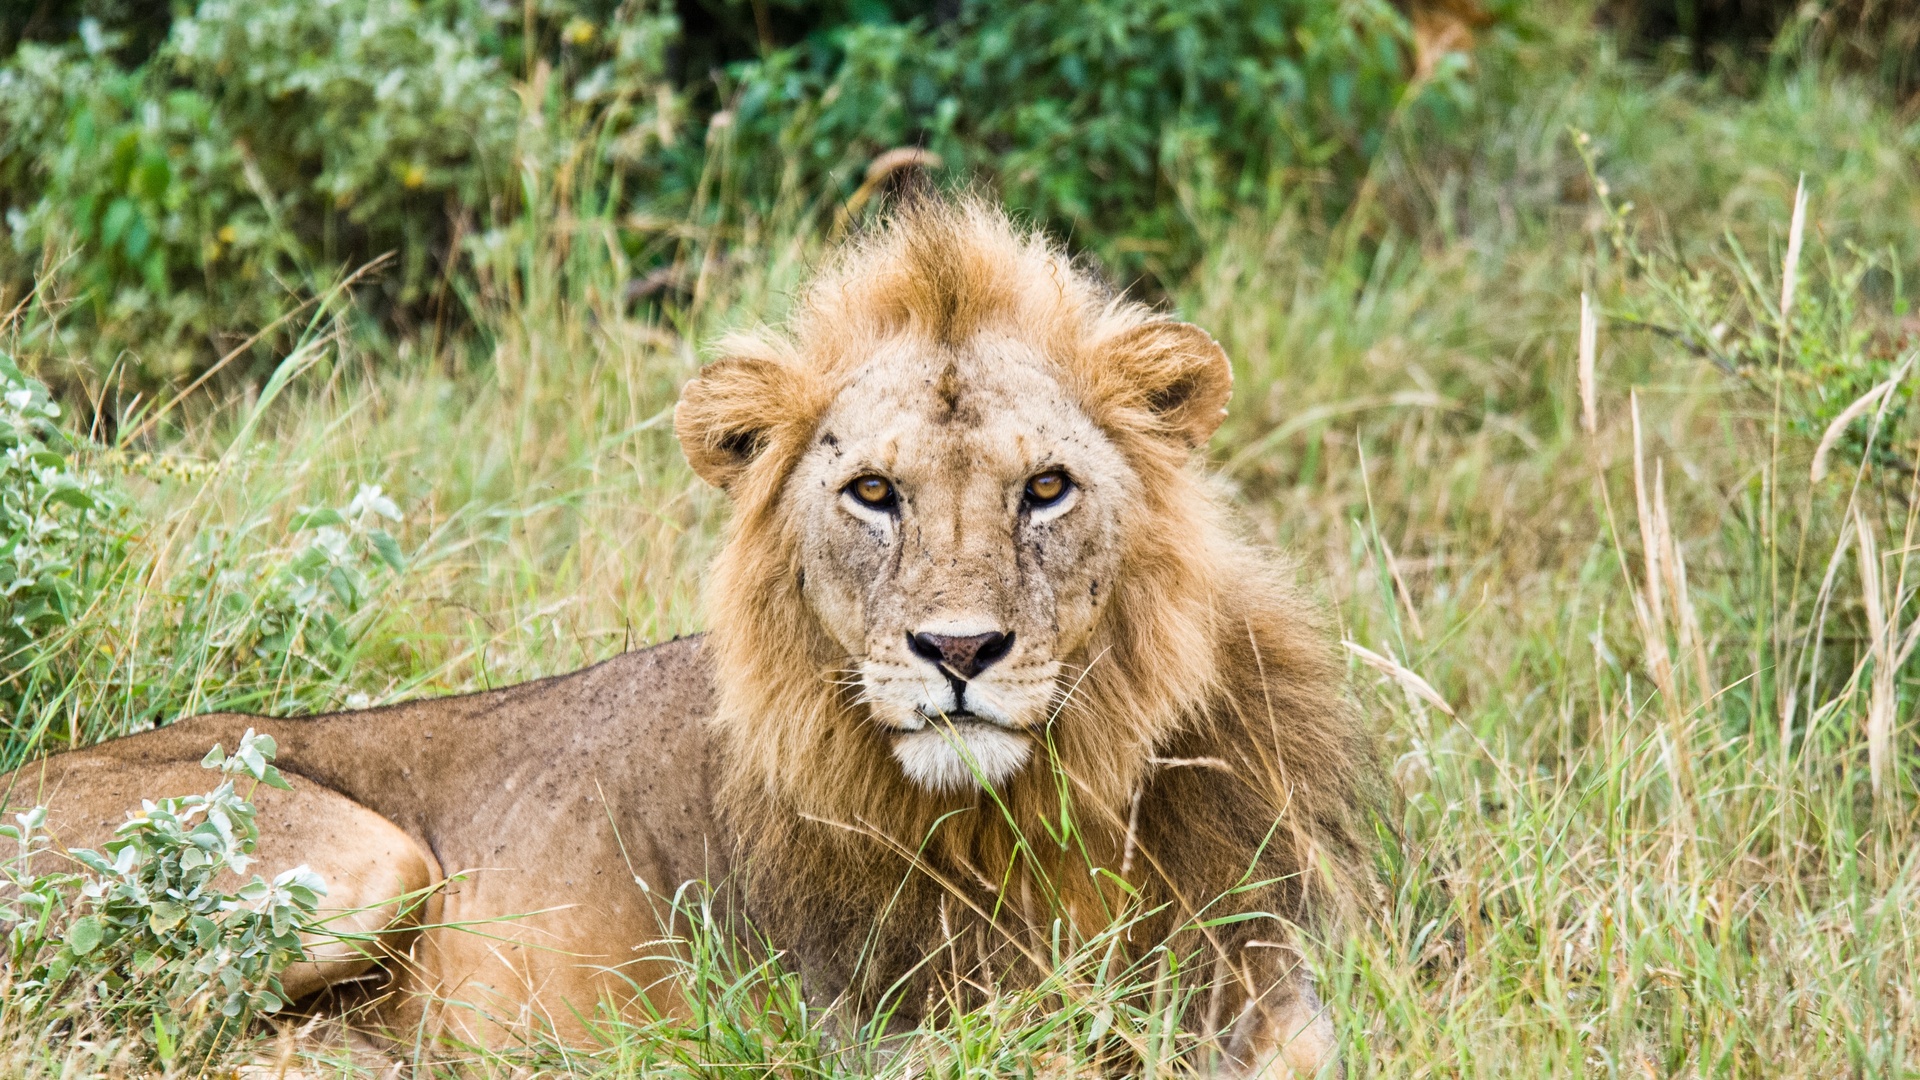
[1207, 690]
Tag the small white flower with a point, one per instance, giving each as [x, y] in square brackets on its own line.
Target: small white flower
[332, 542]
[370, 498]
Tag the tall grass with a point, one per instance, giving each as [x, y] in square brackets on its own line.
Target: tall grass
[1665, 825]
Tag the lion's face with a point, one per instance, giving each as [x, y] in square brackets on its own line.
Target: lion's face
[960, 480]
[959, 517]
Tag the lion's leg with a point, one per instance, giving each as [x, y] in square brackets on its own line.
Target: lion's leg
[378, 881]
[376, 875]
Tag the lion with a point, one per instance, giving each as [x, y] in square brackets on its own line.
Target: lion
[975, 585]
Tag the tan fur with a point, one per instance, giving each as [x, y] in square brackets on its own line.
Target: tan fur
[1163, 688]
[1202, 686]
[531, 815]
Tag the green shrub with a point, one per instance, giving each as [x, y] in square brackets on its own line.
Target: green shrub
[111, 621]
[142, 942]
[1120, 122]
[264, 145]
[60, 533]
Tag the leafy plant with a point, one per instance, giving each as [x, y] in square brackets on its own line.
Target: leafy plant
[263, 618]
[1121, 121]
[143, 940]
[59, 528]
[1803, 339]
[263, 145]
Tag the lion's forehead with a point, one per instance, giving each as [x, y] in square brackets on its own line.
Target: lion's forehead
[987, 403]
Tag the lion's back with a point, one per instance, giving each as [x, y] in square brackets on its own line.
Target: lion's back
[522, 774]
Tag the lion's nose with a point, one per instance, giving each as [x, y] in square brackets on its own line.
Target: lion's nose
[963, 656]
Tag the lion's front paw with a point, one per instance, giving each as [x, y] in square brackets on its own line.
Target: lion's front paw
[1295, 1042]
[1310, 1052]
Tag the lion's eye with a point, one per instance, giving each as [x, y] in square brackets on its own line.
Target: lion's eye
[1047, 488]
[875, 491]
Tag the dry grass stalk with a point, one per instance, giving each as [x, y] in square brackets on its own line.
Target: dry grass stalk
[1790, 270]
[1838, 428]
[1673, 569]
[1406, 595]
[1409, 680]
[1880, 635]
[1649, 604]
[1589, 339]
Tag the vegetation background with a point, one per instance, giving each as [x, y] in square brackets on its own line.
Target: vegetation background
[1574, 349]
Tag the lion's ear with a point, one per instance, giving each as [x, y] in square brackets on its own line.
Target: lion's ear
[731, 412]
[1177, 373]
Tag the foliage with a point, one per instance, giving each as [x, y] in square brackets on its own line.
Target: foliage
[266, 613]
[1880, 40]
[290, 613]
[1134, 119]
[263, 145]
[60, 529]
[143, 941]
[1813, 348]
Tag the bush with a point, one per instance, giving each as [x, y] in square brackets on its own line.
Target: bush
[60, 534]
[1120, 122]
[111, 621]
[142, 943]
[263, 145]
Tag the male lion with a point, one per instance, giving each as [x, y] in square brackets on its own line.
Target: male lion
[973, 589]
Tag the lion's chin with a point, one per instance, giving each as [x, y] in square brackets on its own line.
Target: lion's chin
[959, 757]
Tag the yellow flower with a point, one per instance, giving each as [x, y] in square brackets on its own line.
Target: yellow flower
[578, 31]
[414, 176]
[226, 234]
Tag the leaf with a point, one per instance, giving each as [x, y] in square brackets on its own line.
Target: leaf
[165, 916]
[85, 935]
[215, 758]
[92, 860]
[388, 549]
[314, 519]
[163, 1047]
[74, 497]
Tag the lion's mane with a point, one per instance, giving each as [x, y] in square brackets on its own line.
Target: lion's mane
[1207, 707]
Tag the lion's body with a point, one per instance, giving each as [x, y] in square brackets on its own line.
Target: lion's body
[546, 802]
[973, 590]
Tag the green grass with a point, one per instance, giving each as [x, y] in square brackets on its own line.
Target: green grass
[1612, 863]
